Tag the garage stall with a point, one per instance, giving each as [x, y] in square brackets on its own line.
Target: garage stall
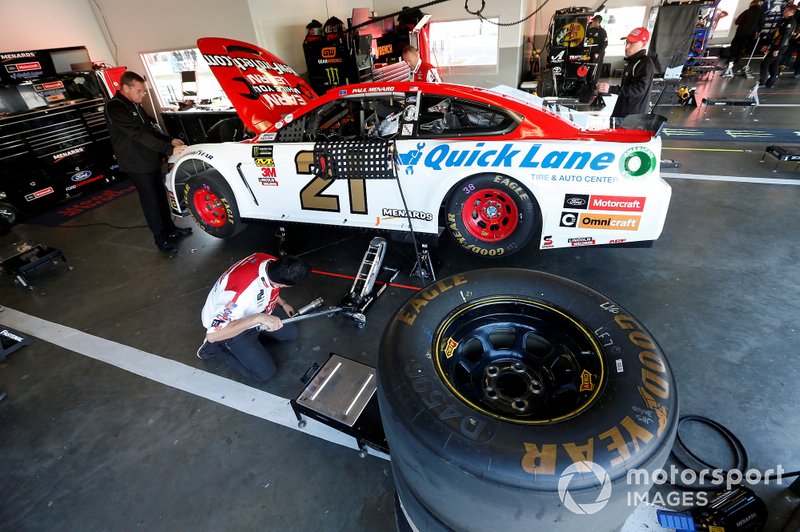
[392, 303]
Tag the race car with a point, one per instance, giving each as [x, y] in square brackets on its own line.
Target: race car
[493, 166]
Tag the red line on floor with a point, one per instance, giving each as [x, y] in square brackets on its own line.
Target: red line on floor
[396, 285]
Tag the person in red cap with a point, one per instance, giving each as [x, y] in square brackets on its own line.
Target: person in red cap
[637, 78]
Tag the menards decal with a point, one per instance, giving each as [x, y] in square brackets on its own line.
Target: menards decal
[75, 151]
[17, 55]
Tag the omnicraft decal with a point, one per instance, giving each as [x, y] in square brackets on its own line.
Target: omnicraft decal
[528, 156]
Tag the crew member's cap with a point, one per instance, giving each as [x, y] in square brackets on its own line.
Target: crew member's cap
[638, 35]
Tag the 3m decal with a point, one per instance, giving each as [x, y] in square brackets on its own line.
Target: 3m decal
[610, 221]
[268, 172]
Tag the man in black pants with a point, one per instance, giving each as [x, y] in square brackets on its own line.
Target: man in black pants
[637, 78]
[597, 39]
[748, 24]
[139, 146]
[245, 308]
[777, 46]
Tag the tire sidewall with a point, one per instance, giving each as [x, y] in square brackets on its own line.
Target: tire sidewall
[233, 223]
[527, 456]
[522, 198]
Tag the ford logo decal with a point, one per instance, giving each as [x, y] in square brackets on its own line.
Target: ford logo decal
[80, 176]
[576, 202]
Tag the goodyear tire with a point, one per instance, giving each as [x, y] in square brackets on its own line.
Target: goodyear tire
[500, 387]
[211, 203]
[491, 215]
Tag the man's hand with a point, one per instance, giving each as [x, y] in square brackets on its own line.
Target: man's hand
[288, 309]
[179, 150]
[269, 323]
[775, 53]
[178, 142]
[603, 88]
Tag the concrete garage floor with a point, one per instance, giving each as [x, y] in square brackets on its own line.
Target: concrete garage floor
[86, 445]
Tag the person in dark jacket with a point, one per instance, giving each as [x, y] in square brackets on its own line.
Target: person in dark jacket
[637, 78]
[597, 40]
[139, 145]
[748, 24]
[776, 47]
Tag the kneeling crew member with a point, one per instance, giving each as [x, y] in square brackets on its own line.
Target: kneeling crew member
[247, 298]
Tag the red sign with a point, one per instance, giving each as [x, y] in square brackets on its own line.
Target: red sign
[617, 203]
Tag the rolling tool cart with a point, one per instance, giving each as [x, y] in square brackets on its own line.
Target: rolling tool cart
[341, 394]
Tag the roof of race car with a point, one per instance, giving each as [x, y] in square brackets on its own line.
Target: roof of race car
[265, 91]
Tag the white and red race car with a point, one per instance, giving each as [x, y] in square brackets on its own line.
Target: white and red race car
[487, 164]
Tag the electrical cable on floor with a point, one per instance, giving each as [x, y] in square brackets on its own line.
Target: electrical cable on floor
[733, 442]
[106, 224]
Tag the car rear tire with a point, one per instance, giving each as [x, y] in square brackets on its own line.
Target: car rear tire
[491, 215]
[500, 387]
[212, 205]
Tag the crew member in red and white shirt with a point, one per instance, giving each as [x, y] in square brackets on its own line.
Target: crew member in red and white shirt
[420, 70]
[244, 304]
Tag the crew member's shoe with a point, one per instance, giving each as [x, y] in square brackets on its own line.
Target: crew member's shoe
[179, 232]
[166, 246]
[205, 352]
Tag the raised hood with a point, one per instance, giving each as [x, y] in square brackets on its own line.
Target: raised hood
[261, 87]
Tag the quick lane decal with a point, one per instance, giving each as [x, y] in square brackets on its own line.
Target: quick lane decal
[443, 156]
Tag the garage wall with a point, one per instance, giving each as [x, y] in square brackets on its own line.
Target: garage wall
[510, 37]
[281, 27]
[149, 25]
[51, 24]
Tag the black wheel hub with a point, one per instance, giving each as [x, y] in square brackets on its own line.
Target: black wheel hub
[519, 360]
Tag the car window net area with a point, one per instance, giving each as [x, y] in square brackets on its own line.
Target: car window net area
[453, 116]
[355, 159]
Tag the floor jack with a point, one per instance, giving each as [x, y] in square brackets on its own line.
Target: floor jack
[362, 294]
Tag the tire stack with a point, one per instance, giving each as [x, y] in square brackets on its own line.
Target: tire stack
[519, 400]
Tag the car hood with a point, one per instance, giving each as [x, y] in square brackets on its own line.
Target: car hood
[262, 87]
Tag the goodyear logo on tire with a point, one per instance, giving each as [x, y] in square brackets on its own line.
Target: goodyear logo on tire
[637, 163]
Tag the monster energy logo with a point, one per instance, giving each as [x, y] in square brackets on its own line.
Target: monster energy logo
[333, 75]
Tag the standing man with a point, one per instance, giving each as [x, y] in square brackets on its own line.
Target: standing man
[748, 24]
[245, 304]
[637, 78]
[139, 146]
[597, 39]
[420, 70]
[777, 46]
